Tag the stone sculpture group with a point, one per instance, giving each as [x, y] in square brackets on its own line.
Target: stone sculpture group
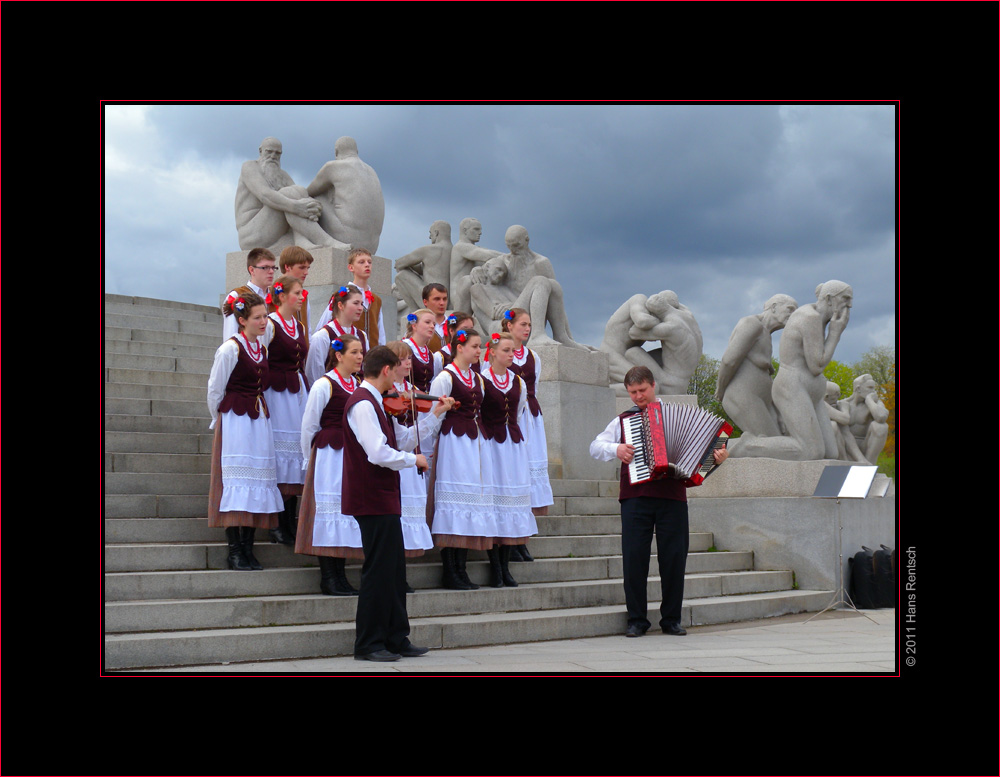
[342, 207]
[794, 416]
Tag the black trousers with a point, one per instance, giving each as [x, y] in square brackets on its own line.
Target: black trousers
[381, 622]
[642, 517]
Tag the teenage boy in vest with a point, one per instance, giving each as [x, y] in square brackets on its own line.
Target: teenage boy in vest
[435, 297]
[359, 264]
[260, 266]
[295, 261]
[374, 446]
[658, 506]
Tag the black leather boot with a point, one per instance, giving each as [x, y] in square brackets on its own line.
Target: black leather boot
[246, 538]
[504, 554]
[451, 579]
[461, 557]
[496, 576]
[333, 579]
[237, 561]
[283, 534]
[523, 552]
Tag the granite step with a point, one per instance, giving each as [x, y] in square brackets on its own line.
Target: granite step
[270, 642]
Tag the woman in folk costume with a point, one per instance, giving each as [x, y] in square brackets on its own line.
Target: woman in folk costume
[455, 321]
[504, 404]
[528, 366]
[463, 516]
[347, 306]
[323, 530]
[419, 331]
[243, 493]
[417, 538]
[286, 391]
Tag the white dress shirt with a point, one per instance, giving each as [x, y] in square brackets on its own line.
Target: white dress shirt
[363, 420]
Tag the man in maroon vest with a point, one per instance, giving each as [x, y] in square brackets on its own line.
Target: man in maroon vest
[374, 447]
[658, 506]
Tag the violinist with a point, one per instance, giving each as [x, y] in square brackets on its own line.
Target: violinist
[412, 484]
[374, 446]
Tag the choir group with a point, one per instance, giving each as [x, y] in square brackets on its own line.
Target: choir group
[278, 398]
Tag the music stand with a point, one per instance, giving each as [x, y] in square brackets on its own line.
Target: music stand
[837, 482]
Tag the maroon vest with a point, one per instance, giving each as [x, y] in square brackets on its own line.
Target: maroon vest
[499, 412]
[665, 488]
[358, 333]
[286, 359]
[331, 420]
[465, 419]
[423, 373]
[367, 488]
[527, 371]
[245, 389]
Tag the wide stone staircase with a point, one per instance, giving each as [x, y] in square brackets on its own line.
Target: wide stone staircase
[169, 599]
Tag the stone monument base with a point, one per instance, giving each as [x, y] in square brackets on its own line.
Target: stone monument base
[577, 404]
[767, 505]
[327, 274]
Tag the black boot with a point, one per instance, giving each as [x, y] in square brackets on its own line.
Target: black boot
[246, 538]
[508, 581]
[236, 559]
[333, 579]
[496, 576]
[451, 579]
[283, 534]
[523, 551]
[461, 557]
[292, 517]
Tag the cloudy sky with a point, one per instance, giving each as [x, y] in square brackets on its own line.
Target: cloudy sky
[724, 204]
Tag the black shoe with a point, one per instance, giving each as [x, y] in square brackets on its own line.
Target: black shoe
[377, 655]
[407, 587]
[515, 553]
[525, 556]
[279, 535]
[674, 630]
[412, 651]
[634, 630]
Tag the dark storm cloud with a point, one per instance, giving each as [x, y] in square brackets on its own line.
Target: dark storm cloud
[726, 205]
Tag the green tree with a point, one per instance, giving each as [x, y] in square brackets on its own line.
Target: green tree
[842, 375]
[880, 363]
[703, 384]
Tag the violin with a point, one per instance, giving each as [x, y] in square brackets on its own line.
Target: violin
[394, 404]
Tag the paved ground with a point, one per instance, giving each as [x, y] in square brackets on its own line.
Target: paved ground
[842, 641]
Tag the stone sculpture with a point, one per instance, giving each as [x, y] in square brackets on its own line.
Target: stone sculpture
[744, 381]
[807, 345]
[868, 417]
[840, 418]
[521, 279]
[465, 256]
[660, 317]
[427, 264]
[271, 210]
[351, 196]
